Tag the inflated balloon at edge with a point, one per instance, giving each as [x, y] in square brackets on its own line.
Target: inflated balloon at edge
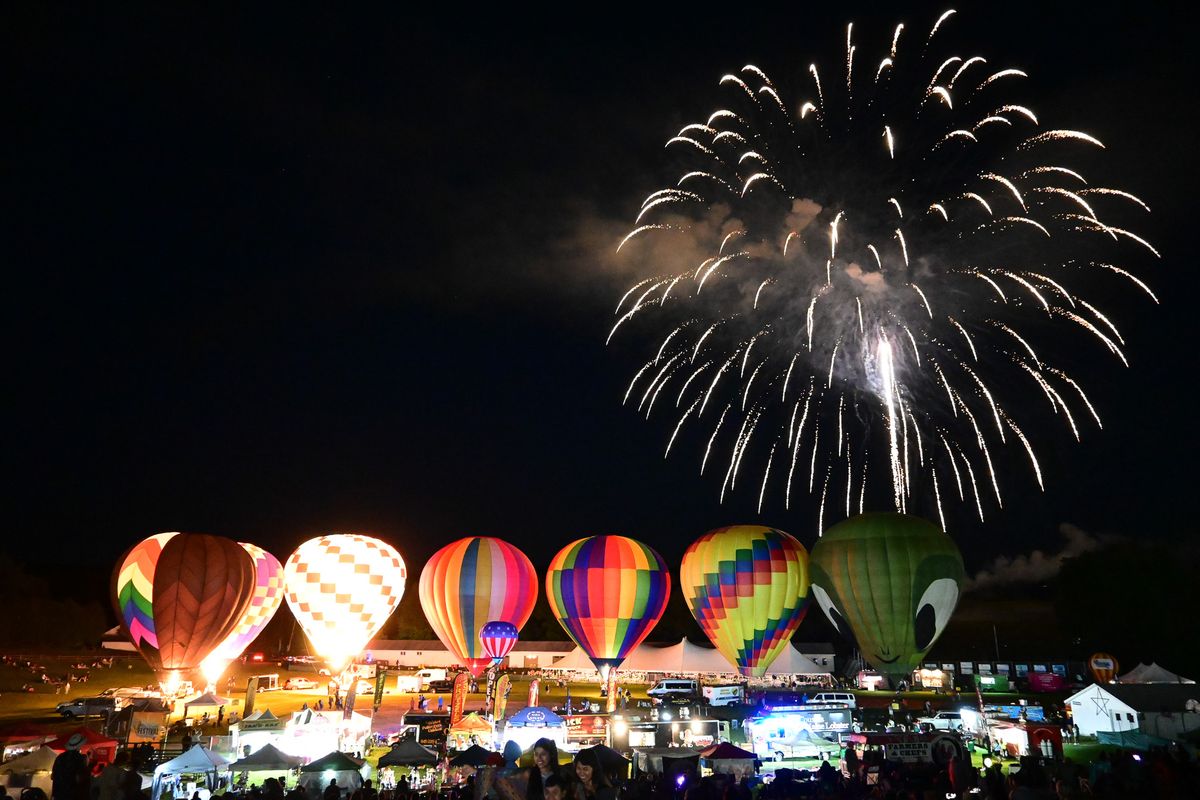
[342, 588]
[747, 587]
[888, 583]
[473, 581]
[1103, 667]
[608, 593]
[179, 595]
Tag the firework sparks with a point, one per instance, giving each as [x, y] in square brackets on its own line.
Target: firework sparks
[810, 268]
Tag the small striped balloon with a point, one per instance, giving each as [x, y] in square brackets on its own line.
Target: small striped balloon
[498, 638]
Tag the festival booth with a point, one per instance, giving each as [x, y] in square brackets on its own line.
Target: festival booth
[1028, 739]
[269, 759]
[669, 761]
[407, 756]
[336, 766]
[29, 771]
[471, 730]
[183, 775]
[307, 734]
[206, 701]
[96, 746]
[533, 723]
[728, 759]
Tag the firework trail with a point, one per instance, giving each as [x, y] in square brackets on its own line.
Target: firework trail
[882, 263]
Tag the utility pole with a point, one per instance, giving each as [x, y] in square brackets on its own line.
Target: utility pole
[996, 639]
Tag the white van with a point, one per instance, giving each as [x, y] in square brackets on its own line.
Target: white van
[674, 687]
[836, 698]
[730, 695]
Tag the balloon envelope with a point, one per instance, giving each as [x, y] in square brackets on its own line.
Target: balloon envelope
[608, 593]
[179, 595]
[471, 582]
[889, 583]
[341, 589]
[747, 586]
[498, 638]
[264, 602]
[1103, 667]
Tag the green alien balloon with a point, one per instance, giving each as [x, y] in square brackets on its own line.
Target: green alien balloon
[888, 583]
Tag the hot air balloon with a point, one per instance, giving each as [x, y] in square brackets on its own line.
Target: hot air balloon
[1103, 667]
[471, 582]
[342, 588]
[264, 602]
[498, 638]
[608, 593]
[747, 586]
[180, 595]
[888, 583]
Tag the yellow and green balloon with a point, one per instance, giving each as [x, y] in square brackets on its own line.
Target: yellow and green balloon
[888, 583]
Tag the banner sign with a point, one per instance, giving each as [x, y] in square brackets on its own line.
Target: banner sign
[503, 687]
[458, 698]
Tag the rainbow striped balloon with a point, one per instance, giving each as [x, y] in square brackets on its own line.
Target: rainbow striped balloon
[608, 593]
[179, 595]
[747, 586]
[471, 582]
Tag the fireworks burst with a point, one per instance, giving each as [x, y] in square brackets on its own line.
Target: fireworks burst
[876, 264]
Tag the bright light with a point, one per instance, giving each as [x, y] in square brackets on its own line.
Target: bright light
[620, 728]
[170, 683]
[212, 668]
[664, 715]
[695, 726]
[987, 762]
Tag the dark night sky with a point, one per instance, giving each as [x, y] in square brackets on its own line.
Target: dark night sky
[276, 275]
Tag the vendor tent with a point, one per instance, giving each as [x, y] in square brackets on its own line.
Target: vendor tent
[1152, 673]
[267, 758]
[473, 756]
[340, 767]
[207, 700]
[728, 759]
[472, 727]
[408, 753]
[31, 770]
[24, 732]
[196, 761]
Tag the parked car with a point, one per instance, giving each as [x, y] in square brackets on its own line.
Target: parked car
[299, 683]
[441, 687]
[88, 707]
[942, 721]
[835, 698]
[429, 675]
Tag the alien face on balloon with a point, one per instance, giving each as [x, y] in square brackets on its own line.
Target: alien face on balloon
[888, 611]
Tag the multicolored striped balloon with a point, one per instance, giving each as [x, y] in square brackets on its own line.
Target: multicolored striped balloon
[747, 586]
[498, 638]
[267, 597]
[342, 588]
[179, 595]
[608, 593]
[471, 582]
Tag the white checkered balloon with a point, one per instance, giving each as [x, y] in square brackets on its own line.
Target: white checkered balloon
[342, 588]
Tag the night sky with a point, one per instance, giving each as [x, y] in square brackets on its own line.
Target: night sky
[271, 275]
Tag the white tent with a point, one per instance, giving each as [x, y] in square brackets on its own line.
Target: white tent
[792, 662]
[31, 770]
[196, 761]
[1152, 673]
[686, 658]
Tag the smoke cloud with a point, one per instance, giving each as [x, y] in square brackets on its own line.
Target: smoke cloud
[1038, 565]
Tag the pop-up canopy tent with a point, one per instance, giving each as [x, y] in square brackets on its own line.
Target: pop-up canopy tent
[408, 753]
[471, 728]
[267, 758]
[31, 770]
[346, 770]
[196, 761]
[536, 722]
[206, 700]
[1152, 673]
[473, 756]
[726, 758]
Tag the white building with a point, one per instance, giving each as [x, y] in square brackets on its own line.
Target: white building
[432, 653]
[1158, 709]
